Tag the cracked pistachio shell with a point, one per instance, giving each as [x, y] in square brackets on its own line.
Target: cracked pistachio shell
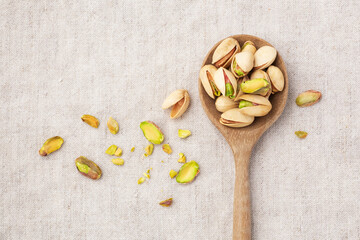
[276, 78]
[223, 104]
[88, 168]
[188, 172]
[166, 148]
[180, 100]
[184, 133]
[239, 91]
[166, 203]
[51, 145]
[254, 105]
[242, 64]
[226, 82]
[235, 118]
[264, 57]
[308, 98]
[248, 46]
[91, 120]
[258, 86]
[152, 132]
[113, 125]
[224, 53]
[207, 79]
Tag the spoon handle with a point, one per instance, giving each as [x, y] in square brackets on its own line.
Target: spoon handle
[242, 206]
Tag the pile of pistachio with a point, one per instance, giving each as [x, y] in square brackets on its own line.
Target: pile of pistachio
[241, 80]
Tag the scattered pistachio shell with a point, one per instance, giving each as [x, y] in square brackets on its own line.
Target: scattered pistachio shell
[149, 150]
[180, 100]
[207, 79]
[166, 148]
[223, 104]
[111, 150]
[276, 78]
[188, 172]
[248, 46]
[141, 180]
[91, 120]
[166, 203]
[184, 133]
[264, 57]
[182, 158]
[118, 161]
[301, 134]
[172, 173]
[152, 132]
[224, 52]
[118, 152]
[51, 145]
[308, 98]
[256, 86]
[88, 168]
[132, 149]
[113, 125]
[235, 118]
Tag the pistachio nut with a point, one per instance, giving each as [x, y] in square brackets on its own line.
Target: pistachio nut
[118, 152]
[111, 150]
[248, 46]
[118, 161]
[180, 100]
[308, 98]
[188, 172]
[254, 105]
[113, 125]
[166, 203]
[226, 82]
[91, 120]
[166, 148]
[141, 180]
[262, 74]
[149, 150]
[172, 173]
[88, 168]
[182, 158]
[147, 175]
[235, 118]
[152, 132]
[223, 104]
[207, 79]
[224, 52]
[132, 149]
[242, 64]
[239, 92]
[264, 57]
[258, 86]
[184, 133]
[301, 134]
[51, 145]
[276, 78]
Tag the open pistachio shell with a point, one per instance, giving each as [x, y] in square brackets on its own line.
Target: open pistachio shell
[223, 104]
[258, 86]
[226, 82]
[235, 118]
[248, 46]
[180, 100]
[264, 57]
[207, 79]
[239, 91]
[224, 52]
[254, 105]
[242, 64]
[276, 78]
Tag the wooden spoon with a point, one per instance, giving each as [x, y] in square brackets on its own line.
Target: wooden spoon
[242, 140]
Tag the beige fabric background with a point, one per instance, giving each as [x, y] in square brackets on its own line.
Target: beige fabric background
[62, 59]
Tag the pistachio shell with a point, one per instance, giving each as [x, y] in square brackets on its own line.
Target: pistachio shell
[248, 46]
[308, 98]
[223, 82]
[180, 101]
[188, 172]
[224, 53]
[260, 106]
[242, 64]
[152, 132]
[223, 104]
[256, 86]
[207, 79]
[88, 168]
[51, 145]
[235, 118]
[91, 120]
[264, 57]
[276, 78]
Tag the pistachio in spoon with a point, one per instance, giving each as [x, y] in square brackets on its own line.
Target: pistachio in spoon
[226, 82]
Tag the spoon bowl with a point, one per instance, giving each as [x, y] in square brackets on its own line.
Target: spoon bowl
[242, 140]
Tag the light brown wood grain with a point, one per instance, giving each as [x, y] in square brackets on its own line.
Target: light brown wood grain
[242, 140]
